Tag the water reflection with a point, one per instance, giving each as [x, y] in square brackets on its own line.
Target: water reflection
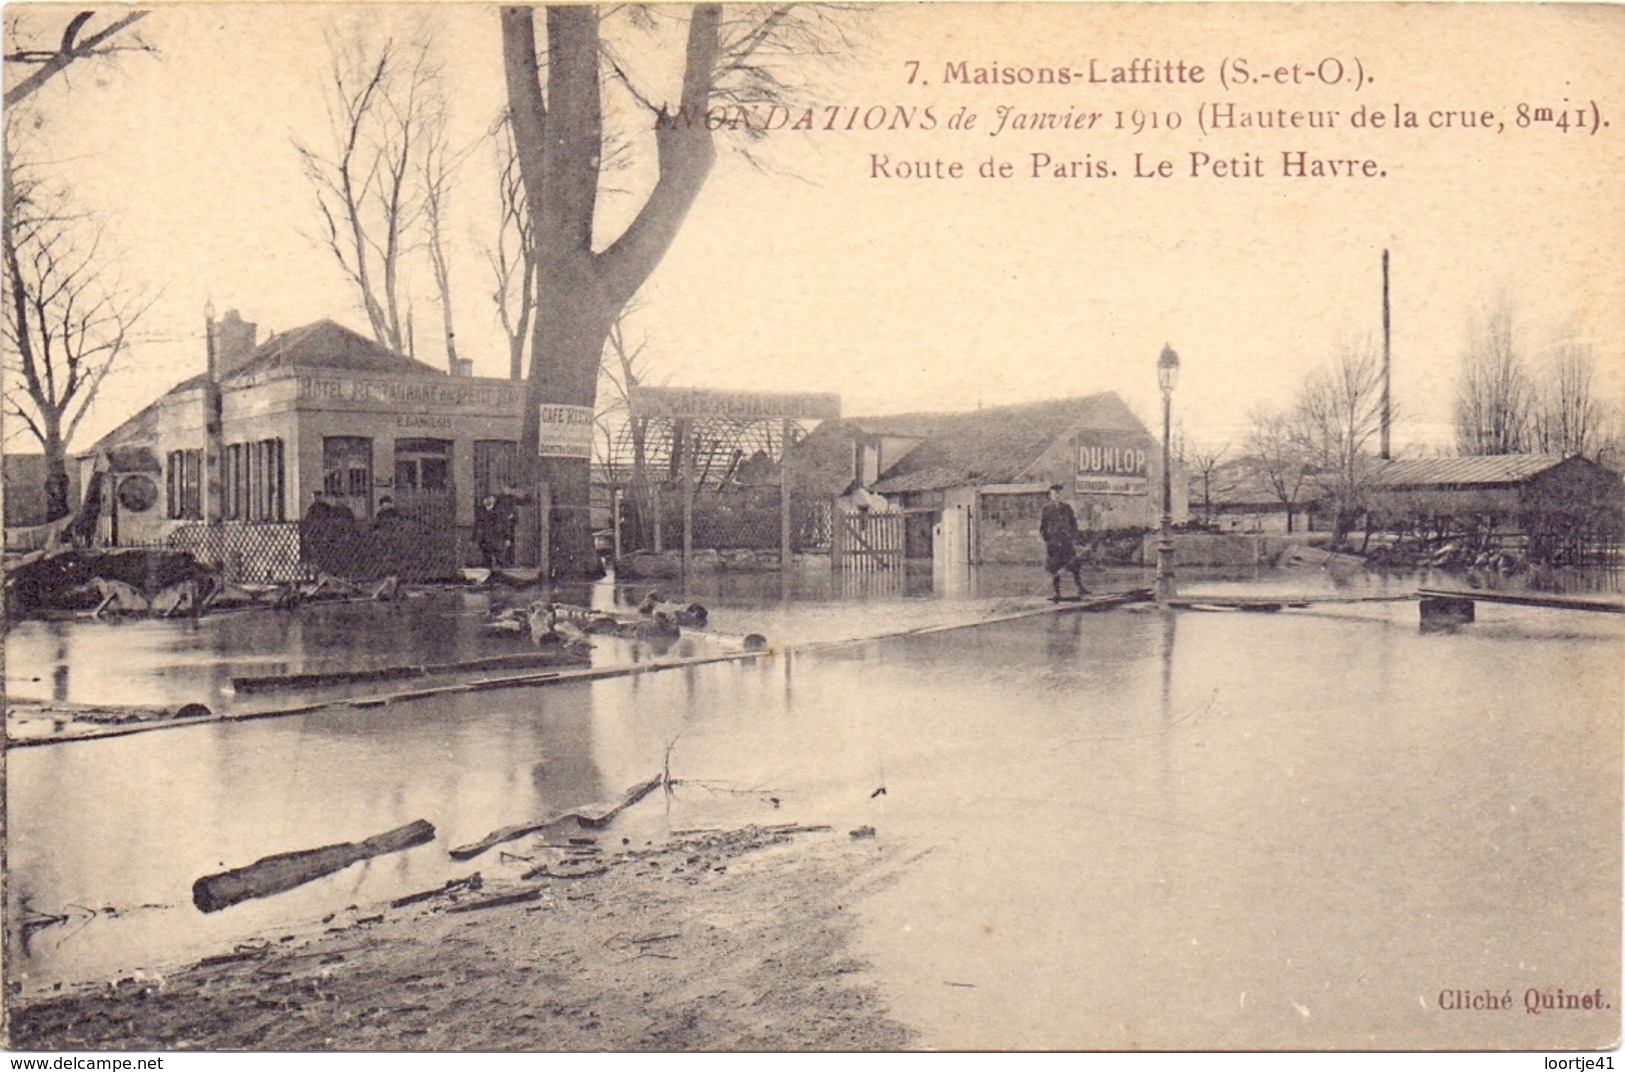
[1147, 829]
[133, 821]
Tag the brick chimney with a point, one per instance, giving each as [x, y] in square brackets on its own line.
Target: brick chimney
[233, 343]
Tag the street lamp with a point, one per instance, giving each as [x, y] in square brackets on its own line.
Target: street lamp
[1167, 376]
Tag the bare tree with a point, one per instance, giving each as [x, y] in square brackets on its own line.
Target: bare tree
[1337, 415]
[558, 112]
[1205, 462]
[1569, 417]
[384, 112]
[439, 163]
[513, 257]
[67, 318]
[624, 368]
[1275, 456]
[74, 46]
[1494, 396]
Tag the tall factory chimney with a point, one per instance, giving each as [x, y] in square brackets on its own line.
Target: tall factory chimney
[1387, 411]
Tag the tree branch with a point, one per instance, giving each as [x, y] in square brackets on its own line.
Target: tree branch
[71, 50]
[685, 151]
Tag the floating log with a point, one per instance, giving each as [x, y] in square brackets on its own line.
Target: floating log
[284, 871]
[590, 816]
[521, 661]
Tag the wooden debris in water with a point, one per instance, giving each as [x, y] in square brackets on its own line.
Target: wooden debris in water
[590, 816]
[285, 871]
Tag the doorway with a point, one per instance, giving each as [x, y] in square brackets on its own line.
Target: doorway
[347, 473]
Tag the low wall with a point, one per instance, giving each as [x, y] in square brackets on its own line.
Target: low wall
[1013, 545]
[1222, 549]
[1209, 549]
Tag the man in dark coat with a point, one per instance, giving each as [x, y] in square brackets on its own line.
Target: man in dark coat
[492, 534]
[1058, 526]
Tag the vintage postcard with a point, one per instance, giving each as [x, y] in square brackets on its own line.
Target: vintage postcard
[831, 527]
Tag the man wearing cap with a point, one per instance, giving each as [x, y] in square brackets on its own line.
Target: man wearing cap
[1058, 526]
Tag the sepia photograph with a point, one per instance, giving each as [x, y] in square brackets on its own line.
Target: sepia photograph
[832, 527]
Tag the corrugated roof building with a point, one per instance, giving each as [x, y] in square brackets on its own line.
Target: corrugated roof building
[1562, 508]
[1468, 471]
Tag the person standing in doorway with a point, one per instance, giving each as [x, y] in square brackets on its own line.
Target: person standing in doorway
[490, 532]
[1058, 527]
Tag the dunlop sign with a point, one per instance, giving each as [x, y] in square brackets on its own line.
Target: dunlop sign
[1110, 467]
[736, 405]
[566, 432]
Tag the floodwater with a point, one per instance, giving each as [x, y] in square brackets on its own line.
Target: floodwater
[1130, 829]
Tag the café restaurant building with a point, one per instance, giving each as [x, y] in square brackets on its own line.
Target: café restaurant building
[316, 412]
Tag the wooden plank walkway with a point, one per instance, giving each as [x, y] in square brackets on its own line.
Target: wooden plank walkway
[1526, 599]
[1104, 601]
[1267, 603]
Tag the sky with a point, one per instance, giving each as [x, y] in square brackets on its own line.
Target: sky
[822, 269]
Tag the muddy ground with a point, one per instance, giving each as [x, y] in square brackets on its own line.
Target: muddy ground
[714, 940]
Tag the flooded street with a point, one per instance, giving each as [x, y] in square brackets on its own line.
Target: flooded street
[1133, 829]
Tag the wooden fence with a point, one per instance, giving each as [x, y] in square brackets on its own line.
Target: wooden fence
[867, 541]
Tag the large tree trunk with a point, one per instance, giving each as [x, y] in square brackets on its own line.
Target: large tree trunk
[568, 339]
[56, 478]
[559, 142]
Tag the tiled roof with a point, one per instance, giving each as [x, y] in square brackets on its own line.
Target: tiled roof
[994, 445]
[1471, 469]
[821, 464]
[931, 478]
[324, 344]
[329, 345]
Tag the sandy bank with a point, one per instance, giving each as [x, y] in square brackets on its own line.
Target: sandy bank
[736, 940]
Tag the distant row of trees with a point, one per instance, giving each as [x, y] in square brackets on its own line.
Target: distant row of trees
[1512, 399]
[1323, 447]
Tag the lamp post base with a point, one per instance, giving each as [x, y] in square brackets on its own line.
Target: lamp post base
[1165, 566]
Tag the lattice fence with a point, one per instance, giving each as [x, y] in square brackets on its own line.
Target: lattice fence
[408, 547]
[252, 552]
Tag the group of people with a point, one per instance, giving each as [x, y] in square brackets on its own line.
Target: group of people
[496, 520]
[330, 525]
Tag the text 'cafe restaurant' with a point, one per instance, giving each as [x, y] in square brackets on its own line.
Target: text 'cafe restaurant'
[317, 412]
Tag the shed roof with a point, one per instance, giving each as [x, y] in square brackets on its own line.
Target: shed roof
[1472, 469]
[327, 344]
[994, 445]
